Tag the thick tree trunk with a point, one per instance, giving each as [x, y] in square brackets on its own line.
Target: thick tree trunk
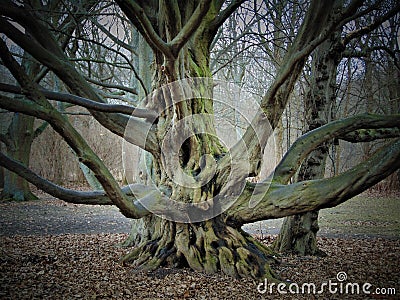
[20, 135]
[209, 247]
[298, 233]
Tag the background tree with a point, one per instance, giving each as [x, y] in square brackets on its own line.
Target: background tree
[21, 132]
[180, 36]
[298, 232]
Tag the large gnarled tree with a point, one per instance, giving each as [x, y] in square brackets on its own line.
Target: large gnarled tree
[193, 213]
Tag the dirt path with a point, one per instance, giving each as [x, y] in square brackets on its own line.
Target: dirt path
[54, 217]
[361, 217]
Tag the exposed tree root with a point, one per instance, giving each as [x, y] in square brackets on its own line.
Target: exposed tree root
[209, 247]
[299, 235]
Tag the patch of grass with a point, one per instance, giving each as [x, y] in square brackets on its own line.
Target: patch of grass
[363, 215]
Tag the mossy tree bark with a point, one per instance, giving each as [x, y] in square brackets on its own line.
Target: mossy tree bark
[179, 34]
[19, 138]
[21, 132]
[298, 232]
[192, 60]
[18, 141]
[210, 245]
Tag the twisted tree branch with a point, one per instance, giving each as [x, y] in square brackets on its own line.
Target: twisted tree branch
[99, 197]
[87, 103]
[275, 200]
[190, 27]
[39, 106]
[340, 128]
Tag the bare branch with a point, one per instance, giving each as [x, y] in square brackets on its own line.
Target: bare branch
[366, 52]
[134, 11]
[190, 27]
[60, 65]
[277, 200]
[274, 102]
[40, 129]
[42, 108]
[72, 196]
[128, 61]
[87, 103]
[77, 143]
[225, 14]
[171, 49]
[114, 38]
[377, 22]
[305, 144]
[112, 86]
[369, 135]
[68, 195]
[32, 25]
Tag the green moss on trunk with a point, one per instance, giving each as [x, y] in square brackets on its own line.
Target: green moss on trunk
[20, 134]
[208, 247]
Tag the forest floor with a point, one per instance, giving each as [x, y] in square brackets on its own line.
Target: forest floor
[53, 250]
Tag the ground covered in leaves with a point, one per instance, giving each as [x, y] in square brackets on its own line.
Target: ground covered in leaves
[68, 256]
[86, 267]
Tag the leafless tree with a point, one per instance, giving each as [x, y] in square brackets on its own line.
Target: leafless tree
[174, 226]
